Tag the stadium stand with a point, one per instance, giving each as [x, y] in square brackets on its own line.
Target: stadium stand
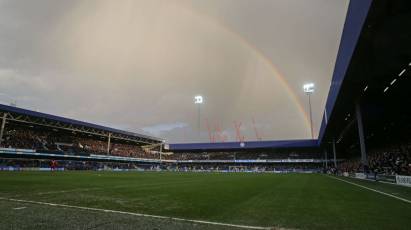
[30, 136]
[66, 142]
[33, 135]
[366, 119]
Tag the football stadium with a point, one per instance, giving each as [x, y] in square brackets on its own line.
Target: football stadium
[190, 114]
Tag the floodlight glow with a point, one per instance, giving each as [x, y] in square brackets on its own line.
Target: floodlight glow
[198, 99]
[308, 88]
[402, 72]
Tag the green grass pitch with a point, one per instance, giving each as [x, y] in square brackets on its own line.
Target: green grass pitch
[289, 201]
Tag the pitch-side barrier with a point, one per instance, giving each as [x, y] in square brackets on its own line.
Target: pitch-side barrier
[393, 179]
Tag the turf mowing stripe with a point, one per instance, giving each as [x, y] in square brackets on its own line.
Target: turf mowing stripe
[146, 185]
[374, 190]
[137, 214]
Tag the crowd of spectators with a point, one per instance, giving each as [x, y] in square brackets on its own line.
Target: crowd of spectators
[69, 143]
[129, 150]
[22, 139]
[387, 161]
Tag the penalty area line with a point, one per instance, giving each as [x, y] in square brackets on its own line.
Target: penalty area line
[371, 189]
[137, 214]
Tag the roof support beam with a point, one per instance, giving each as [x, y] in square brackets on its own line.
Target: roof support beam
[108, 144]
[3, 125]
[364, 160]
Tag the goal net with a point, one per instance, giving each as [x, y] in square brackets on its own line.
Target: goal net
[237, 168]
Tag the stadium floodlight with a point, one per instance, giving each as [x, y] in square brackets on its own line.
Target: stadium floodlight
[198, 99]
[401, 73]
[309, 89]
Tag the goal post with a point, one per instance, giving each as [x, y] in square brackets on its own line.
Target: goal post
[237, 168]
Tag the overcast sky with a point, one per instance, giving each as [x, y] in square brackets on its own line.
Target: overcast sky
[136, 65]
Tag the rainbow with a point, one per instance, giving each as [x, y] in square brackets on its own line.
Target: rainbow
[276, 72]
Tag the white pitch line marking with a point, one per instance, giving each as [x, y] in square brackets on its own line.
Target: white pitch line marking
[138, 214]
[374, 190]
[19, 208]
[68, 191]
